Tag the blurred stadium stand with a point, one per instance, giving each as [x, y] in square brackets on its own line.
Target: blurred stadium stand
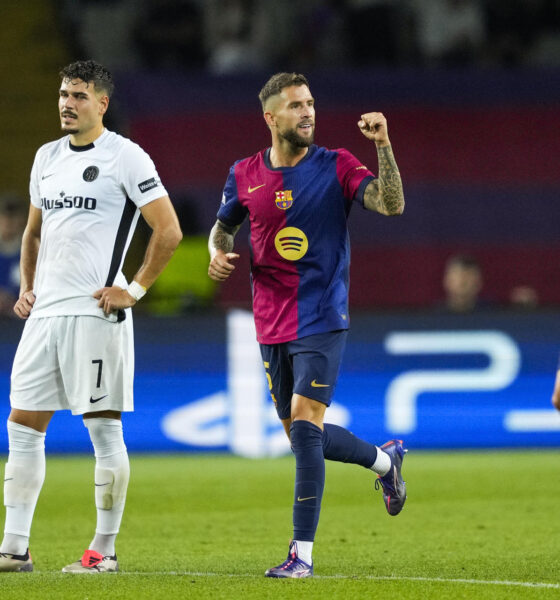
[478, 152]
[31, 53]
[475, 128]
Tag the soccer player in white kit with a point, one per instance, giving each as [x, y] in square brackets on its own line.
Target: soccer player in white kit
[76, 352]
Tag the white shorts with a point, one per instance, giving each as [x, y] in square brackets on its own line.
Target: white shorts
[81, 363]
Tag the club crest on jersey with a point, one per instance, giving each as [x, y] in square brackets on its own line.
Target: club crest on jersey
[91, 173]
[284, 199]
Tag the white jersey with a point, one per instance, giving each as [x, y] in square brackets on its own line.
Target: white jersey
[89, 197]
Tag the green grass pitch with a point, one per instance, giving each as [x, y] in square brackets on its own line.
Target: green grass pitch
[481, 525]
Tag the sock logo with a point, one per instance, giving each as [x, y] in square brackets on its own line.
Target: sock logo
[299, 499]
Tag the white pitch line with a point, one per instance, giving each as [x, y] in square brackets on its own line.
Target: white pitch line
[527, 584]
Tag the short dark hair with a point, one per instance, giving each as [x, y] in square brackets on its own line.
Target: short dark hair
[278, 82]
[466, 261]
[12, 204]
[90, 71]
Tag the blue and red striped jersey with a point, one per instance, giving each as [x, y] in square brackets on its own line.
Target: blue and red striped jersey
[300, 250]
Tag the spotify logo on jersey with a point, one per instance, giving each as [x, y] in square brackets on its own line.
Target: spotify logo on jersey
[291, 243]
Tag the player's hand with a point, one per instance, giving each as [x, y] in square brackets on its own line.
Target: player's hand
[25, 303]
[556, 391]
[221, 267]
[113, 298]
[374, 126]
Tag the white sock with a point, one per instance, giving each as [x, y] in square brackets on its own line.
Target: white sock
[112, 472]
[382, 463]
[15, 544]
[104, 544]
[304, 551]
[23, 479]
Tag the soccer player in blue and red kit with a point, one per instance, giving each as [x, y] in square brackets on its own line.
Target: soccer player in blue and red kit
[298, 197]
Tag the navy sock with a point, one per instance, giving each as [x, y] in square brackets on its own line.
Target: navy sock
[341, 445]
[307, 446]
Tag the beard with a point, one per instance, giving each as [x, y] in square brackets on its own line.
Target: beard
[69, 129]
[296, 140]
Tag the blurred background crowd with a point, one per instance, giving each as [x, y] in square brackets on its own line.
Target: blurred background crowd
[239, 36]
[471, 90]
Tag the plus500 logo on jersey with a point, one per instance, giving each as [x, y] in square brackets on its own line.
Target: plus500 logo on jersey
[69, 202]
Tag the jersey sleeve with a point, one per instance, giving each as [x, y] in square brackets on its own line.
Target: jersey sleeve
[34, 191]
[352, 175]
[139, 176]
[231, 211]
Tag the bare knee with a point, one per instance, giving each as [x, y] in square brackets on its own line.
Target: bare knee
[103, 414]
[306, 409]
[34, 419]
[286, 424]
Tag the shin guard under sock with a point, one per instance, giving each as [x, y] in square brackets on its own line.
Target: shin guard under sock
[307, 446]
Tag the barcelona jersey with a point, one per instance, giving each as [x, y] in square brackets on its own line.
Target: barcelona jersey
[300, 250]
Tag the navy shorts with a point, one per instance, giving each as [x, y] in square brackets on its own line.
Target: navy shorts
[308, 367]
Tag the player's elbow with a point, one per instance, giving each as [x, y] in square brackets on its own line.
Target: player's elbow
[396, 209]
[399, 210]
[173, 236]
[176, 236]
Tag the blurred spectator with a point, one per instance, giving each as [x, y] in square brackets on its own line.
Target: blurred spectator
[102, 30]
[450, 32]
[235, 32]
[546, 49]
[12, 224]
[524, 297]
[462, 283]
[378, 31]
[513, 27]
[320, 27]
[168, 34]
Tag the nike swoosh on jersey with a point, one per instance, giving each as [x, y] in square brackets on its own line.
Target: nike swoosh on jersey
[47, 176]
[94, 400]
[315, 384]
[252, 189]
[304, 499]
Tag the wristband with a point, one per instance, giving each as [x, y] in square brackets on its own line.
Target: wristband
[136, 290]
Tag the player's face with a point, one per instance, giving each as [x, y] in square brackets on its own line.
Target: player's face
[294, 116]
[81, 109]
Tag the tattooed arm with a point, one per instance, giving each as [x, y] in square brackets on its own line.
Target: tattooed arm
[220, 246]
[384, 194]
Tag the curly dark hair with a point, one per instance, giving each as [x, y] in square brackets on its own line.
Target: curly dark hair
[278, 82]
[90, 72]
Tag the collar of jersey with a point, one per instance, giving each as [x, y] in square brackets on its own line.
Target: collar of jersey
[81, 148]
[310, 152]
[87, 146]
